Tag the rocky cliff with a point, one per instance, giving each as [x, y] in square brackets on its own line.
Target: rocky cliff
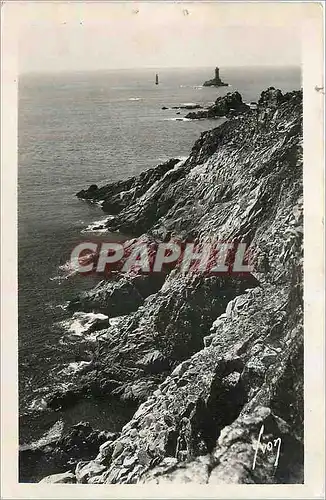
[209, 359]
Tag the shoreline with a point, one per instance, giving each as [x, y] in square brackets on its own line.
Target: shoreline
[168, 346]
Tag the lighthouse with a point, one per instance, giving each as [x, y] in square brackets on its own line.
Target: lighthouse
[215, 82]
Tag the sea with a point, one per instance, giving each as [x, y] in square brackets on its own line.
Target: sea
[77, 129]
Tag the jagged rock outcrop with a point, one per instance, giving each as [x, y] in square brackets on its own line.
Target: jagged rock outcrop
[118, 195]
[229, 105]
[184, 106]
[139, 351]
[212, 359]
[119, 296]
[216, 81]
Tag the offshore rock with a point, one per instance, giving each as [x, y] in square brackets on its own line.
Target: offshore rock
[185, 106]
[229, 105]
[216, 81]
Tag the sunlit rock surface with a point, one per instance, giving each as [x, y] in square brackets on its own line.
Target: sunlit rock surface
[210, 360]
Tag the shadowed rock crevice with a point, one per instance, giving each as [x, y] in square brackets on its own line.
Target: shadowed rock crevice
[226, 400]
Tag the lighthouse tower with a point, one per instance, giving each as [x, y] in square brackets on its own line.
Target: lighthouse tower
[216, 81]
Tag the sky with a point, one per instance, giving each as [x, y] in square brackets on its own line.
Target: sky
[61, 36]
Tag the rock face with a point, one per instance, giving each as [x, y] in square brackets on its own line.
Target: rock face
[118, 195]
[80, 442]
[216, 81]
[212, 360]
[229, 105]
[122, 295]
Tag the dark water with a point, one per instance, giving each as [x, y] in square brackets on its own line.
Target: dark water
[75, 130]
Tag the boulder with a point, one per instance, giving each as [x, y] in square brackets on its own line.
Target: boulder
[84, 471]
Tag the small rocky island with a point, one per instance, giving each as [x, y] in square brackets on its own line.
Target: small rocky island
[229, 105]
[216, 81]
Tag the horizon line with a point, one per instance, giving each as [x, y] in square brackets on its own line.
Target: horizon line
[148, 68]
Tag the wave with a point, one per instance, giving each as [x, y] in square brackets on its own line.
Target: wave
[252, 105]
[182, 160]
[160, 159]
[116, 320]
[157, 161]
[66, 270]
[98, 226]
[88, 327]
[38, 405]
[76, 367]
[178, 119]
[196, 87]
[54, 433]
[135, 99]
[52, 307]
[81, 323]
